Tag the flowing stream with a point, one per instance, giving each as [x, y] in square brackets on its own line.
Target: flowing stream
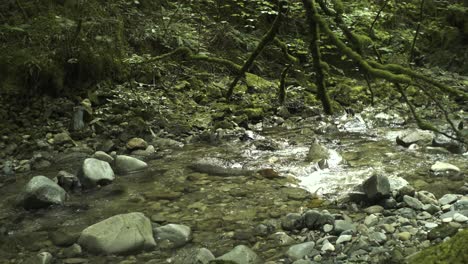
[224, 211]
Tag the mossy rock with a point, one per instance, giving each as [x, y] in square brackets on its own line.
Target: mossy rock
[256, 81]
[452, 251]
[254, 114]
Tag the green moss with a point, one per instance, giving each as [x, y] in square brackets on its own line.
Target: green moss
[254, 114]
[256, 81]
[452, 251]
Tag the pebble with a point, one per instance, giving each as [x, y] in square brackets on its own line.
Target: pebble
[431, 225]
[343, 238]
[371, 220]
[448, 199]
[327, 246]
[457, 217]
[404, 236]
[447, 219]
[327, 228]
[374, 209]
[413, 202]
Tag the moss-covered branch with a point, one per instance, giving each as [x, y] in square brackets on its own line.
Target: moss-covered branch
[267, 38]
[312, 15]
[284, 48]
[187, 54]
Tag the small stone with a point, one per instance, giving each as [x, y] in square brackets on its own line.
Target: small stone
[176, 235]
[430, 225]
[457, 217]
[299, 251]
[413, 202]
[343, 238]
[443, 166]
[73, 251]
[62, 138]
[423, 216]
[126, 164]
[378, 237]
[447, 220]
[136, 143]
[327, 228]
[431, 208]
[404, 236]
[427, 197]
[282, 239]
[343, 225]
[448, 199]
[241, 255]
[327, 246]
[95, 172]
[101, 155]
[371, 220]
[374, 209]
[388, 228]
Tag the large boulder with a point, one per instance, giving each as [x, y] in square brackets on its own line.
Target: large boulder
[240, 255]
[95, 172]
[125, 164]
[376, 187]
[173, 234]
[416, 136]
[41, 192]
[119, 234]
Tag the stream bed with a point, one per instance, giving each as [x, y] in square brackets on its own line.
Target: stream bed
[224, 211]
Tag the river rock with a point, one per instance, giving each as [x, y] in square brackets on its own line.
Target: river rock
[241, 255]
[292, 221]
[317, 152]
[343, 238]
[417, 136]
[101, 155]
[173, 235]
[125, 164]
[376, 187]
[68, 181]
[413, 202]
[41, 192]
[95, 172]
[194, 256]
[448, 199]
[344, 225]
[62, 138]
[136, 143]
[443, 167]
[374, 209]
[299, 251]
[327, 246]
[457, 217]
[8, 168]
[311, 219]
[119, 234]
[371, 220]
[426, 197]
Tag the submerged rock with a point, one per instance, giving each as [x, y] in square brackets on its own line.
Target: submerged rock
[240, 255]
[119, 234]
[317, 152]
[172, 234]
[125, 164]
[41, 192]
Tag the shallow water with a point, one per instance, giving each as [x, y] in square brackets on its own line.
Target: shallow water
[223, 211]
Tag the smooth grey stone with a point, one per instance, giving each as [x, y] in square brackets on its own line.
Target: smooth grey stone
[176, 235]
[374, 209]
[327, 246]
[194, 256]
[343, 239]
[119, 234]
[343, 225]
[448, 198]
[282, 239]
[413, 202]
[371, 220]
[431, 208]
[378, 237]
[418, 136]
[241, 255]
[41, 192]
[406, 212]
[299, 251]
[95, 172]
[443, 166]
[126, 164]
